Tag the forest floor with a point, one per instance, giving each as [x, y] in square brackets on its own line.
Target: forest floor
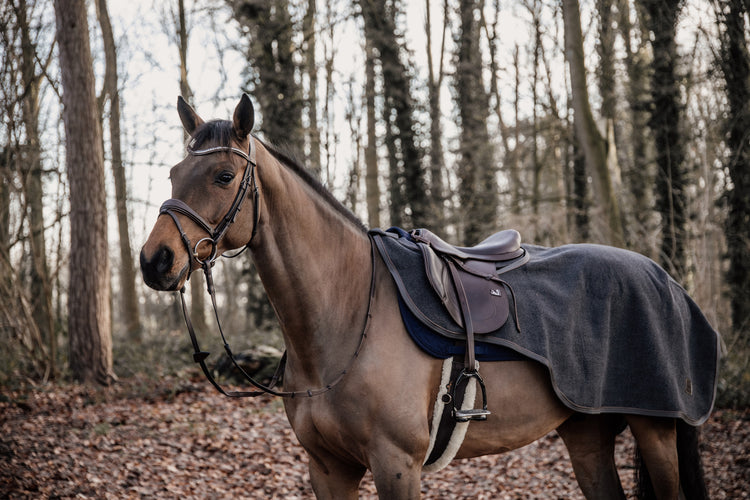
[180, 439]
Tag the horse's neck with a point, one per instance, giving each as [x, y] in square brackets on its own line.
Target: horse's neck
[315, 266]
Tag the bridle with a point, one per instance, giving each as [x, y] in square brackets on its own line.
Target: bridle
[174, 206]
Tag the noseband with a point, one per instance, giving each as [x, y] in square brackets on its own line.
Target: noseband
[173, 206]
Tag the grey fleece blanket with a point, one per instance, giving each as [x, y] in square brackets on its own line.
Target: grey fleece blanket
[616, 332]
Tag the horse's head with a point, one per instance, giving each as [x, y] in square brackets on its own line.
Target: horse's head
[203, 218]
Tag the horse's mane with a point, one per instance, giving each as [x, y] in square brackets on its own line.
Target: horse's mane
[220, 132]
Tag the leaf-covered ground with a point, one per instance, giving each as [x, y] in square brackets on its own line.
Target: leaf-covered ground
[176, 439]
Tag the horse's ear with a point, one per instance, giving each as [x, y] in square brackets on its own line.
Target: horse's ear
[188, 116]
[244, 118]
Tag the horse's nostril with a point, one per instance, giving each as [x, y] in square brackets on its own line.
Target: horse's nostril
[159, 264]
[164, 260]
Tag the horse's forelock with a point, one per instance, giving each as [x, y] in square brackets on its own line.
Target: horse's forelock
[213, 133]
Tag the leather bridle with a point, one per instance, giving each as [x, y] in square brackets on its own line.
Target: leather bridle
[174, 206]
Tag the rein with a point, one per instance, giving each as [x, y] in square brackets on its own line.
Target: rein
[174, 206]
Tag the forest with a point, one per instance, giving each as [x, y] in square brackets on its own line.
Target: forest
[618, 122]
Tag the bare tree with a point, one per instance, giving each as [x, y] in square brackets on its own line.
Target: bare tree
[130, 313]
[477, 172]
[510, 154]
[26, 350]
[372, 175]
[734, 61]
[409, 201]
[665, 123]
[434, 84]
[638, 176]
[33, 66]
[273, 68]
[592, 143]
[311, 68]
[89, 325]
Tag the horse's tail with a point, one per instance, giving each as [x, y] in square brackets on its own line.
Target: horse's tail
[692, 482]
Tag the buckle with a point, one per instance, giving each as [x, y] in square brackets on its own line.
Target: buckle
[211, 257]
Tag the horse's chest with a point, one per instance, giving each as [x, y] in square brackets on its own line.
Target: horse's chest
[320, 424]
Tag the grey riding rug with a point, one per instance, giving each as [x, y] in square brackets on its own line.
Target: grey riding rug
[616, 332]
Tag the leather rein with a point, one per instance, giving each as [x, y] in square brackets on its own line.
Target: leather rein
[172, 207]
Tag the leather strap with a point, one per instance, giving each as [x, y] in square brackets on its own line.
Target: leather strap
[463, 300]
[199, 356]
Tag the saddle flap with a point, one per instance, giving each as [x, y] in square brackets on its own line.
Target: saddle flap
[487, 300]
[441, 281]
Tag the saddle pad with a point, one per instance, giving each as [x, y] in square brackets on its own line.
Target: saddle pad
[616, 332]
[442, 347]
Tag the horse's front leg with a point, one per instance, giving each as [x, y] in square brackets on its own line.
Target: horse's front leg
[397, 474]
[333, 479]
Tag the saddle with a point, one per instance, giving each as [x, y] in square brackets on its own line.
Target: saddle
[464, 281]
[464, 277]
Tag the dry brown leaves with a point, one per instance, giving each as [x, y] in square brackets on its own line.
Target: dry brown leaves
[138, 441]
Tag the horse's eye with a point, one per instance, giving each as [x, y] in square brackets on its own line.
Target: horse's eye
[224, 178]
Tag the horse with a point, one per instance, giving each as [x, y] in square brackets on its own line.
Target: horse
[336, 304]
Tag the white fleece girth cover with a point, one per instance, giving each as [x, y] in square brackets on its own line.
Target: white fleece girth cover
[459, 431]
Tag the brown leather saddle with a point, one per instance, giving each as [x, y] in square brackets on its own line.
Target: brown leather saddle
[466, 278]
[467, 282]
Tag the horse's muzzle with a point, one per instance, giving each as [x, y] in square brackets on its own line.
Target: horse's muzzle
[157, 270]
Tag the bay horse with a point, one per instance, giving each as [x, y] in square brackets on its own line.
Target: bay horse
[333, 297]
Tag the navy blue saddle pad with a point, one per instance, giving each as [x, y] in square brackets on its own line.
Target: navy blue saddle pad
[441, 347]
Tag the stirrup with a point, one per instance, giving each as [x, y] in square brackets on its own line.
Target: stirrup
[472, 413]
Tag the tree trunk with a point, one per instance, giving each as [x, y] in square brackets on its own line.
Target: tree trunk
[592, 143]
[434, 84]
[372, 176]
[536, 164]
[311, 67]
[514, 168]
[410, 204]
[637, 173]
[510, 162]
[129, 299]
[476, 169]
[40, 286]
[89, 290]
[16, 317]
[271, 53]
[5, 180]
[735, 64]
[606, 50]
[671, 182]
